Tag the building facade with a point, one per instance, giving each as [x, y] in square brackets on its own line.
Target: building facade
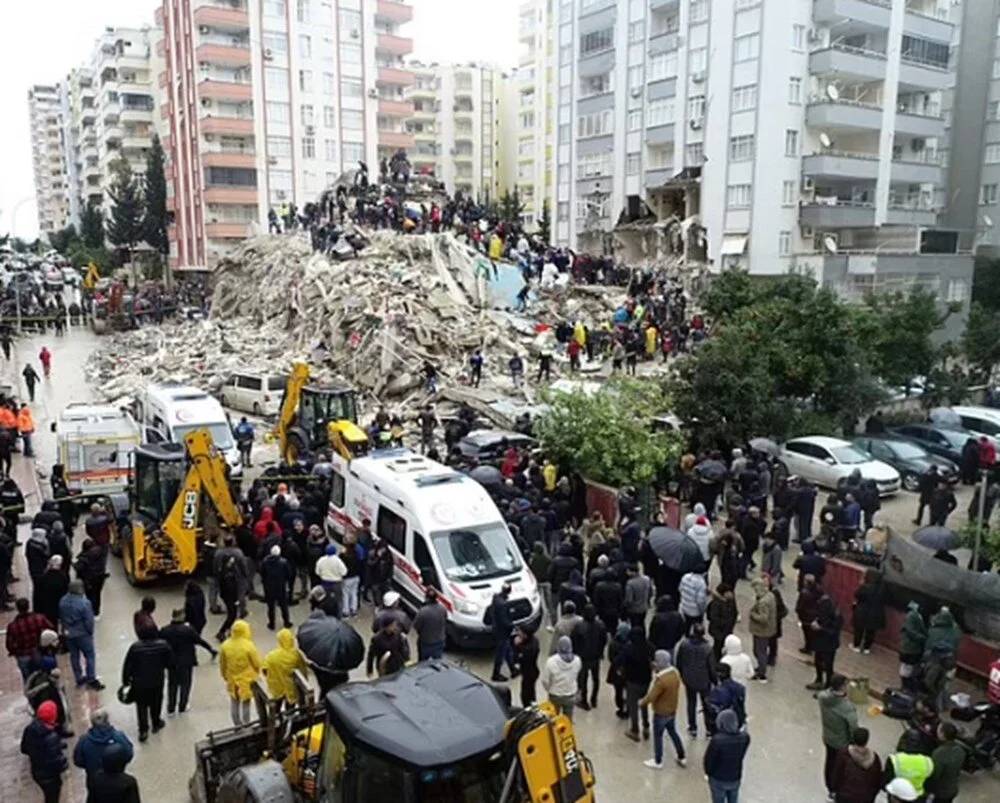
[267, 102]
[46, 109]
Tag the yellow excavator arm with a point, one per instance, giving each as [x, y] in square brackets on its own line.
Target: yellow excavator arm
[550, 767]
[297, 380]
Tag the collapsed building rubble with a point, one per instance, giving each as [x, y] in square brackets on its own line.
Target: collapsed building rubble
[373, 320]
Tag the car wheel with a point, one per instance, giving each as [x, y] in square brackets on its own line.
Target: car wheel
[911, 482]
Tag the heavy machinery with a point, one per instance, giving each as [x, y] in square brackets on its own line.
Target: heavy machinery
[432, 733]
[311, 415]
[170, 520]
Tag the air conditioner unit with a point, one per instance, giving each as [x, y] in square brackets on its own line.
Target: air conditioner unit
[373, 93]
[806, 232]
[698, 77]
[279, 194]
[808, 185]
[310, 129]
[204, 29]
[355, 34]
[695, 123]
[206, 102]
[637, 92]
[268, 54]
[272, 160]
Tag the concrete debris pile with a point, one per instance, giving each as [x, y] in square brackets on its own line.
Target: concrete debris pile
[373, 320]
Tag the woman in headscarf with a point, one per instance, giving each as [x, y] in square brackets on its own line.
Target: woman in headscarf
[239, 665]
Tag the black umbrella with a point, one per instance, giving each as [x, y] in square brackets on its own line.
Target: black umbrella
[677, 550]
[934, 537]
[331, 643]
[487, 476]
[711, 471]
[765, 446]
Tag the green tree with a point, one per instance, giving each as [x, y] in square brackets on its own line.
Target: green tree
[92, 225]
[154, 224]
[986, 283]
[62, 240]
[607, 435]
[729, 292]
[510, 207]
[124, 227]
[981, 340]
[545, 224]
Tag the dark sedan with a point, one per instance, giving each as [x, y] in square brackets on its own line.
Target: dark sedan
[486, 446]
[938, 441]
[907, 457]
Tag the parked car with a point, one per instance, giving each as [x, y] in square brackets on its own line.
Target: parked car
[486, 446]
[908, 458]
[255, 393]
[979, 420]
[937, 440]
[826, 461]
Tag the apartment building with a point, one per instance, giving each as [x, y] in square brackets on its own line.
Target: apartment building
[827, 155]
[457, 124]
[267, 102]
[45, 111]
[86, 180]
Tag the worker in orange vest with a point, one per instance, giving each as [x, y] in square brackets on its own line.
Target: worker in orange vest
[26, 426]
[7, 418]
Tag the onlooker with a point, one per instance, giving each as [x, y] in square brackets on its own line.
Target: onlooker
[667, 626]
[182, 638]
[857, 771]
[722, 615]
[616, 668]
[826, 640]
[503, 626]
[40, 742]
[90, 749]
[388, 651]
[589, 640]
[526, 650]
[763, 625]
[740, 664]
[276, 575]
[727, 693]
[806, 608]
[638, 595]
[635, 660]
[694, 599]
[723, 760]
[113, 784]
[662, 696]
[77, 617]
[839, 719]
[948, 758]
[913, 638]
[909, 763]
[239, 665]
[559, 677]
[23, 634]
[430, 624]
[869, 611]
[142, 619]
[280, 665]
[144, 671]
[694, 662]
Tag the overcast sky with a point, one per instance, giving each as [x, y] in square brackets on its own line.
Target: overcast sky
[44, 39]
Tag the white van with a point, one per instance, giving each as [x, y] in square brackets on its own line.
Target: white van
[94, 444]
[167, 413]
[980, 420]
[444, 531]
[256, 393]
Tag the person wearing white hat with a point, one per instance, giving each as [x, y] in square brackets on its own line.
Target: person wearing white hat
[391, 611]
[900, 789]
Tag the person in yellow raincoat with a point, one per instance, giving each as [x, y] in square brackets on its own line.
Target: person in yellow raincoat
[651, 334]
[239, 663]
[280, 664]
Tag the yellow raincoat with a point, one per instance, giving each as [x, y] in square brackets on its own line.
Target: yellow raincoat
[496, 247]
[239, 661]
[651, 340]
[580, 333]
[280, 664]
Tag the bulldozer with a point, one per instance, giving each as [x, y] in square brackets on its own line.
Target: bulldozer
[431, 733]
[314, 417]
[169, 519]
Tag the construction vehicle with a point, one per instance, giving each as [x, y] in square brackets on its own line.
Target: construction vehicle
[431, 733]
[314, 417]
[170, 520]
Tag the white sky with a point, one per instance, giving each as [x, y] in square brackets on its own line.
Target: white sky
[44, 39]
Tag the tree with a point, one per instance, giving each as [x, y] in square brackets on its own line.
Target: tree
[62, 240]
[545, 224]
[510, 207]
[607, 436]
[124, 227]
[154, 224]
[729, 292]
[981, 340]
[92, 226]
[986, 283]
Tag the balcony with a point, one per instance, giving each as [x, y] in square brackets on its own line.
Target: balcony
[657, 177]
[229, 55]
[395, 108]
[136, 114]
[918, 124]
[395, 139]
[841, 165]
[910, 214]
[873, 13]
[393, 11]
[230, 195]
[226, 231]
[927, 27]
[923, 75]
[838, 214]
[922, 171]
[227, 125]
[224, 90]
[395, 77]
[245, 159]
[848, 63]
[659, 134]
[225, 17]
[396, 45]
[844, 114]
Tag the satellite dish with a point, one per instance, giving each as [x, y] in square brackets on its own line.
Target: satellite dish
[988, 221]
[824, 139]
[830, 244]
[832, 92]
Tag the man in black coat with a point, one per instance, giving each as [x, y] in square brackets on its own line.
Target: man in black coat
[926, 487]
[144, 671]
[182, 639]
[608, 598]
[590, 637]
[503, 625]
[113, 784]
[40, 742]
[943, 502]
[276, 575]
[803, 505]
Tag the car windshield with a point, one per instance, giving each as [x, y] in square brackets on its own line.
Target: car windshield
[849, 455]
[221, 434]
[954, 437]
[906, 451]
[477, 553]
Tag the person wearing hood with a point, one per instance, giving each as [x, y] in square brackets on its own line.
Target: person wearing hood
[77, 617]
[662, 698]
[943, 633]
[702, 534]
[869, 611]
[857, 771]
[49, 589]
[279, 666]
[608, 598]
[562, 566]
[40, 742]
[559, 676]
[589, 638]
[112, 784]
[635, 661]
[526, 651]
[770, 559]
[806, 608]
[698, 511]
[566, 624]
[666, 627]
[826, 641]
[694, 598]
[266, 525]
[91, 568]
[276, 575]
[913, 638]
[91, 747]
[616, 667]
[573, 590]
[540, 562]
[839, 720]
[723, 759]
[722, 615]
[239, 665]
[694, 662]
[740, 664]
[738, 464]
[763, 625]
[36, 553]
[182, 638]
[59, 543]
[144, 671]
[727, 693]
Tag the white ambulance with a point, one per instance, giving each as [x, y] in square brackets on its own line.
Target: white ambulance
[94, 444]
[443, 530]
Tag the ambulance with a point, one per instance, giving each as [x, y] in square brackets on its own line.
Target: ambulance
[443, 531]
[94, 444]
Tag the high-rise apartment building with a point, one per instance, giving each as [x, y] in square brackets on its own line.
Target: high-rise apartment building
[457, 124]
[48, 156]
[267, 102]
[805, 134]
[86, 180]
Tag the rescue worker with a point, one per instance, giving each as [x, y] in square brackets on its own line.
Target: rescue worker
[279, 666]
[239, 665]
[26, 428]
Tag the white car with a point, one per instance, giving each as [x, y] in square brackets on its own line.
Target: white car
[826, 461]
[256, 393]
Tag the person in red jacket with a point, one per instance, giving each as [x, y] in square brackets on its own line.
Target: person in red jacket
[45, 358]
[857, 771]
[987, 452]
[266, 525]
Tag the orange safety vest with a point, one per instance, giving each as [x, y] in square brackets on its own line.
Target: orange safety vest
[25, 423]
[7, 419]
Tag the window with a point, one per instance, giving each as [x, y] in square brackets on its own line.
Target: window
[741, 148]
[392, 528]
[331, 150]
[634, 120]
[279, 146]
[696, 107]
[337, 487]
[596, 41]
[791, 142]
[353, 152]
[957, 290]
[635, 77]
[694, 154]
[992, 155]
[660, 112]
[278, 112]
[636, 31]
[308, 117]
[996, 68]
[924, 51]
[274, 8]
[594, 164]
[527, 119]
[738, 196]
[329, 117]
[663, 65]
[632, 164]
[784, 243]
[350, 53]
[993, 112]
[304, 9]
[275, 42]
[352, 119]
[699, 11]
[590, 85]
[349, 22]
[565, 55]
[794, 90]
[798, 37]
[594, 125]
[305, 80]
[788, 193]
[308, 147]
[746, 47]
[276, 83]
[305, 46]
[988, 194]
[351, 88]
[329, 83]
[744, 97]
[697, 60]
